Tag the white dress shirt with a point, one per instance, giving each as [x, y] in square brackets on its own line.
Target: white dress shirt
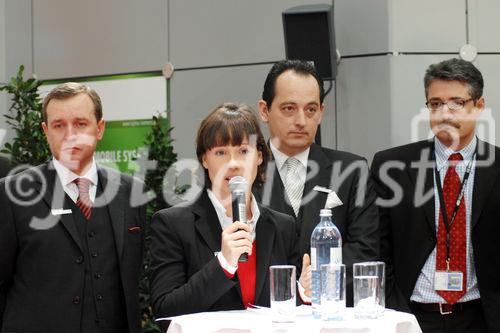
[67, 178]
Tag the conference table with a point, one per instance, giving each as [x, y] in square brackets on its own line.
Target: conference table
[260, 320]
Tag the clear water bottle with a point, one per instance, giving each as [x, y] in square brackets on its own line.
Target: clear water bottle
[326, 248]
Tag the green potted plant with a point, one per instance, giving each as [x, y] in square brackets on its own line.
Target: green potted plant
[161, 151]
[29, 146]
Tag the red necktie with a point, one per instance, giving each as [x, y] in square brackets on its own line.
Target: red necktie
[83, 202]
[458, 243]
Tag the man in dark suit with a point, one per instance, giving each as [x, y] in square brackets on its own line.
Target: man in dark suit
[70, 239]
[292, 106]
[4, 166]
[439, 211]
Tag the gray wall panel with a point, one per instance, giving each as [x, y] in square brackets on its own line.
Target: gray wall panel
[484, 25]
[3, 76]
[223, 32]
[381, 26]
[364, 105]
[18, 39]
[489, 67]
[427, 25]
[195, 93]
[361, 27]
[94, 37]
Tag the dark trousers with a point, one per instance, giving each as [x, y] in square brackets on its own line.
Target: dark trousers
[470, 319]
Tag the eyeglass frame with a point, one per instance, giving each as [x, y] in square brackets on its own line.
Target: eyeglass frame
[460, 105]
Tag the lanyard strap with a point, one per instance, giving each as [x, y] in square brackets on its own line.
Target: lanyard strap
[442, 205]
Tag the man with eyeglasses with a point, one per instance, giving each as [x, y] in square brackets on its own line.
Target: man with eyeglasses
[439, 204]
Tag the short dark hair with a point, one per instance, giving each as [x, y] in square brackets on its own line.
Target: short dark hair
[231, 123]
[456, 70]
[300, 67]
[71, 89]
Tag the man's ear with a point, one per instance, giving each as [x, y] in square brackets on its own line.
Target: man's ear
[321, 110]
[480, 103]
[101, 125]
[263, 111]
[45, 128]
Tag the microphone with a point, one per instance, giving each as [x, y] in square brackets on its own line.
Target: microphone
[238, 186]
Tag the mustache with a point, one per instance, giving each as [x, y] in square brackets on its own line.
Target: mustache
[449, 123]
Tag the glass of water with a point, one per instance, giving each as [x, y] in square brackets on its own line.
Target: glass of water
[283, 288]
[369, 287]
[333, 301]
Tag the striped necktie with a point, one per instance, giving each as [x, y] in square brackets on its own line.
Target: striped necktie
[83, 202]
[293, 184]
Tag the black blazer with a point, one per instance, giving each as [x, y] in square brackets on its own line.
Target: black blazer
[4, 166]
[408, 231]
[344, 173]
[186, 275]
[40, 272]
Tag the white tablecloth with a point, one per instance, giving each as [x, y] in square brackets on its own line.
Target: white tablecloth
[260, 320]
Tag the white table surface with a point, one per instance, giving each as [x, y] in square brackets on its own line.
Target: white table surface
[260, 320]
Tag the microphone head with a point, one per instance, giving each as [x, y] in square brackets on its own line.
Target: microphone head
[238, 183]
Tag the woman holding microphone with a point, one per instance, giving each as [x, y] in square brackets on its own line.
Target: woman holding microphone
[195, 248]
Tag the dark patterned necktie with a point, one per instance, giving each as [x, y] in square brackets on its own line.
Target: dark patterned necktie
[83, 202]
[451, 188]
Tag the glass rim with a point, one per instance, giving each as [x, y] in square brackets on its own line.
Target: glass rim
[281, 266]
[369, 263]
[331, 265]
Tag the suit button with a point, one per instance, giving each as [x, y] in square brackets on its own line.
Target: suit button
[97, 275]
[99, 297]
[76, 300]
[91, 234]
[94, 255]
[79, 260]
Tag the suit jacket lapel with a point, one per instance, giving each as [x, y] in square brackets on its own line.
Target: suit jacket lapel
[264, 243]
[207, 223]
[484, 178]
[114, 197]
[426, 152]
[55, 197]
[316, 159]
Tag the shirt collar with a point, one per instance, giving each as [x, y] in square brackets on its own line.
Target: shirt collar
[67, 176]
[281, 157]
[225, 220]
[443, 153]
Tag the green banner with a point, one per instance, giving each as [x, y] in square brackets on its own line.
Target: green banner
[122, 143]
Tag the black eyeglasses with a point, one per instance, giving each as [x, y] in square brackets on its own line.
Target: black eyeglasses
[452, 104]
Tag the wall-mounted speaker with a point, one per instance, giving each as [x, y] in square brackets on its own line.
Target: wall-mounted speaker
[309, 35]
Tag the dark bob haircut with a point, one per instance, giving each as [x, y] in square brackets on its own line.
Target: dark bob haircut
[231, 124]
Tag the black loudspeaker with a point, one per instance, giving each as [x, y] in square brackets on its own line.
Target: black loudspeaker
[310, 35]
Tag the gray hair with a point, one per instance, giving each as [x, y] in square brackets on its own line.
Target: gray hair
[456, 70]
